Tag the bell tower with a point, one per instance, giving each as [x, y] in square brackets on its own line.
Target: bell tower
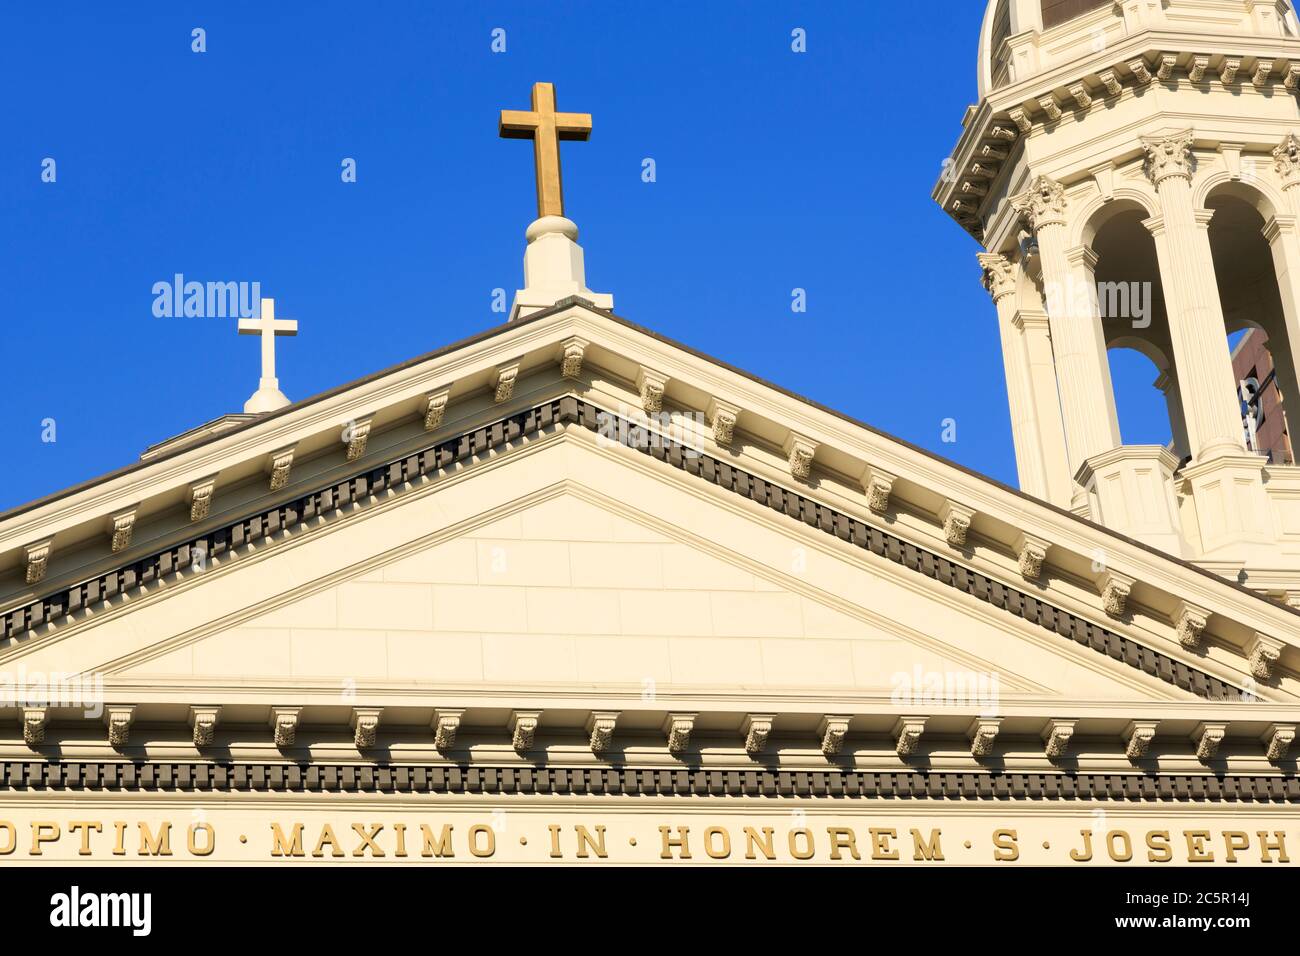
[1132, 170]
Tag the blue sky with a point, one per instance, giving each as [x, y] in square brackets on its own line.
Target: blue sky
[775, 170]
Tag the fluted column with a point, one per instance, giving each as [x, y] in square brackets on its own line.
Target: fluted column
[1206, 383]
[1167, 382]
[1035, 330]
[1283, 238]
[1082, 369]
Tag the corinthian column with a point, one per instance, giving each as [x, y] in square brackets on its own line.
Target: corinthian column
[1205, 380]
[1082, 370]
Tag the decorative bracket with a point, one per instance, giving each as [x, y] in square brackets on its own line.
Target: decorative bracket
[284, 725]
[723, 417]
[757, 728]
[1208, 737]
[435, 408]
[650, 385]
[523, 729]
[907, 734]
[1263, 652]
[279, 465]
[1228, 71]
[572, 351]
[33, 720]
[1277, 741]
[1032, 552]
[1263, 70]
[983, 732]
[1056, 738]
[355, 435]
[879, 485]
[118, 719]
[1140, 71]
[204, 722]
[120, 527]
[956, 521]
[446, 724]
[601, 727]
[365, 726]
[677, 728]
[1137, 738]
[200, 497]
[1196, 72]
[503, 383]
[1111, 82]
[799, 451]
[1165, 71]
[1190, 621]
[1115, 589]
[1050, 107]
[37, 558]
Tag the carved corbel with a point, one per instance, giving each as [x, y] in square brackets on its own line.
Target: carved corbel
[1049, 106]
[1263, 653]
[907, 734]
[1165, 71]
[972, 188]
[879, 485]
[523, 730]
[1286, 160]
[118, 719]
[199, 497]
[446, 724]
[983, 170]
[1081, 96]
[279, 464]
[435, 408]
[1208, 737]
[723, 417]
[1292, 81]
[993, 155]
[1115, 589]
[757, 728]
[1140, 72]
[121, 526]
[1137, 738]
[1190, 621]
[1021, 119]
[1110, 82]
[677, 728]
[600, 725]
[832, 731]
[983, 732]
[650, 386]
[355, 435]
[1263, 70]
[572, 351]
[956, 521]
[365, 726]
[1196, 72]
[284, 725]
[503, 382]
[799, 451]
[1031, 551]
[36, 557]
[203, 721]
[1056, 738]
[1002, 134]
[1277, 741]
[1228, 71]
[33, 720]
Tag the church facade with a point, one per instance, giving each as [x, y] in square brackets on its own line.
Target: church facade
[570, 592]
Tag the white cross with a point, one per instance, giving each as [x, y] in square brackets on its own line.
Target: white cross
[268, 327]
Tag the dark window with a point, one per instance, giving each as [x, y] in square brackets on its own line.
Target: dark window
[1001, 30]
[1056, 12]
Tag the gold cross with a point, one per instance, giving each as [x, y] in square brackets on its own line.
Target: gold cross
[546, 128]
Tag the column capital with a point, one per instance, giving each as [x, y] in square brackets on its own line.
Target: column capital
[999, 275]
[1168, 156]
[1286, 160]
[1043, 204]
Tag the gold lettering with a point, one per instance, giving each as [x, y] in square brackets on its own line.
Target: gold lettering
[400, 830]
[1005, 848]
[1196, 852]
[477, 831]
[12, 843]
[85, 827]
[284, 847]
[683, 835]
[926, 850]
[1235, 840]
[438, 847]
[598, 844]
[1084, 853]
[1123, 855]
[119, 839]
[367, 839]
[1158, 842]
[807, 852]
[843, 838]
[192, 844]
[1265, 846]
[43, 832]
[763, 843]
[155, 846]
[880, 849]
[556, 852]
[327, 835]
[718, 853]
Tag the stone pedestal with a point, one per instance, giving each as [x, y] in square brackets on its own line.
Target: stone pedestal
[1131, 490]
[553, 269]
[1232, 509]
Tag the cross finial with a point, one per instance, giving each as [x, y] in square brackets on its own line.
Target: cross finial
[268, 396]
[545, 127]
